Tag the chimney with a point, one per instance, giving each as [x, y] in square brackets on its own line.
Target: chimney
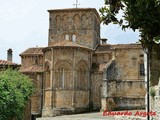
[9, 55]
[104, 40]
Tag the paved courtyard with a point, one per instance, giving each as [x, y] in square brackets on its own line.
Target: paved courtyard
[84, 116]
[88, 116]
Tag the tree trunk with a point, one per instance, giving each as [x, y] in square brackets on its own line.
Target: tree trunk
[154, 64]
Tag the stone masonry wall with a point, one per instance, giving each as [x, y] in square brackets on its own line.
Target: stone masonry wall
[96, 89]
[126, 94]
[84, 24]
[128, 63]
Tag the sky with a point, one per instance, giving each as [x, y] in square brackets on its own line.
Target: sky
[25, 23]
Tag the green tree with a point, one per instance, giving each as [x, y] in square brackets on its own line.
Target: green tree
[15, 90]
[142, 15]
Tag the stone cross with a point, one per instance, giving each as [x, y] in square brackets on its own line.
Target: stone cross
[76, 4]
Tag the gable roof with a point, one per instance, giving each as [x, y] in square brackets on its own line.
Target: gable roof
[33, 51]
[4, 62]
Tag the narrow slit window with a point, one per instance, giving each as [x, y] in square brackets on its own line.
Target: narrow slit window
[142, 70]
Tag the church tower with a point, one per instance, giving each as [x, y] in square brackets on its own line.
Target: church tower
[73, 35]
[79, 25]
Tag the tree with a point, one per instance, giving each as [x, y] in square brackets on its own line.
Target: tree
[15, 90]
[142, 15]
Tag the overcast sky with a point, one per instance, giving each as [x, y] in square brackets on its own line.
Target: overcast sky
[24, 24]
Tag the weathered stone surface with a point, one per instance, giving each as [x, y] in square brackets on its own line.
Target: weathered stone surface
[75, 72]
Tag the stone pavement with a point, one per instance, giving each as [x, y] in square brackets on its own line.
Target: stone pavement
[94, 116]
[84, 116]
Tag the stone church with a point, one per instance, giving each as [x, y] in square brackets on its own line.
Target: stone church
[78, 71]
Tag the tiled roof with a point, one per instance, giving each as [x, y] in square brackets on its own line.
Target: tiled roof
[126, 46]
[34, 68]
[32, 51]
[65, 43]
[3, 62]
[103, 48]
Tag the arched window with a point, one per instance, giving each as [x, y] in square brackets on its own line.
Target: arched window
[74, 38]
[63, 75]
[66, 37]
[82, 76]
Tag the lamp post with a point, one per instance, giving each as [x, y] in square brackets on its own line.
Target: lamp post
[146, 50]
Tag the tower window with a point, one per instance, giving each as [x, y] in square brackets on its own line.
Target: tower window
[142, 69]
[66, 37]
[74, 38]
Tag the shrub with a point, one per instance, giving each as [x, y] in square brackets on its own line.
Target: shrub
[15, 90]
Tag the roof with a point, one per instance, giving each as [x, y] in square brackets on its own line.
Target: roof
[126, 46]
[33, 51]
[4, 62]
[34, 68]
[103, 48]
[69, 44]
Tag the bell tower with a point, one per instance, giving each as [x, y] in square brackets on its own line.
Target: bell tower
[78, 25]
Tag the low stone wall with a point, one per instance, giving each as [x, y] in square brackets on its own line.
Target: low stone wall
[130, 103]
[127, 94]
[126, 88]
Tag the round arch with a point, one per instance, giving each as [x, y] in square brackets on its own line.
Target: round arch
[63, 75]
[82, 75]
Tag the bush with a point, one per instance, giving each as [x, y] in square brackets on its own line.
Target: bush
[15, 90]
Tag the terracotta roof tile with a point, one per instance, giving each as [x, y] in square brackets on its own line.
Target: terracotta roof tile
[126, 46]
[3, 62]
[32, 51]
[34, 68]
[103, 48]
[65, 43]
